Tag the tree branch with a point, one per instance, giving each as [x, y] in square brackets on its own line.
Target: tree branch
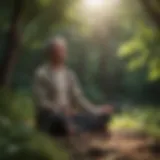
[155, 16]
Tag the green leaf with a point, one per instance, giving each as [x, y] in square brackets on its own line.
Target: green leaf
[138, 62]
[154, 67]
[131, 47]
[45, 3]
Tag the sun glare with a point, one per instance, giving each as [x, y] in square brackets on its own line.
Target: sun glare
[94, 3]
[95, 11]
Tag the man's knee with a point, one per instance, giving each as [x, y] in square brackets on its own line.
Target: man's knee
[58, 127]
[104, 119]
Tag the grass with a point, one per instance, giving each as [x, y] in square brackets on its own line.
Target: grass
[17, 120]
[143, 119]
[18, 136]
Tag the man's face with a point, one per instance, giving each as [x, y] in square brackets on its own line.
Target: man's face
[58, 52]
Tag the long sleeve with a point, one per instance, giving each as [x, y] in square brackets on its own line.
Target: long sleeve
[79, 97]
[40, 95]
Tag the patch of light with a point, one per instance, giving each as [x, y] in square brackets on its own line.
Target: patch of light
[94, 3]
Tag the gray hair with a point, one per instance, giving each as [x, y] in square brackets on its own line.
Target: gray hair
[58, 40]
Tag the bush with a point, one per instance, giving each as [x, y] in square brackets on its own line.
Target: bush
[18, 138]
[143, 118]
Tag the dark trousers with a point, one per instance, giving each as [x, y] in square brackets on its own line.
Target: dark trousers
[87, 122]
[57, 124]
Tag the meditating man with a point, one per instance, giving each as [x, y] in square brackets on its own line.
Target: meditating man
[57, 95]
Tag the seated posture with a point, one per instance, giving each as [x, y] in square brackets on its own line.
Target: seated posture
[58, 97]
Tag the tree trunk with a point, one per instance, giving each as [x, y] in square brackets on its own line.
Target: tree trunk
[153, 13]
[10, 54]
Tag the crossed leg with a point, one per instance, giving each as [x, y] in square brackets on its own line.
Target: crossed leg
[78, 143]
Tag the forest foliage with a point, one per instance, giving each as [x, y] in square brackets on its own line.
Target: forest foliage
[115, 54]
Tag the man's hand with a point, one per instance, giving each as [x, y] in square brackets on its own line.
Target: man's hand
[50, 109]
[106, 109]
[68, 111]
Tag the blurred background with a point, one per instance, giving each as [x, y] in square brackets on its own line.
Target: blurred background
[113, 46]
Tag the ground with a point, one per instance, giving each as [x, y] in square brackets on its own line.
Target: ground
[131, 147]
